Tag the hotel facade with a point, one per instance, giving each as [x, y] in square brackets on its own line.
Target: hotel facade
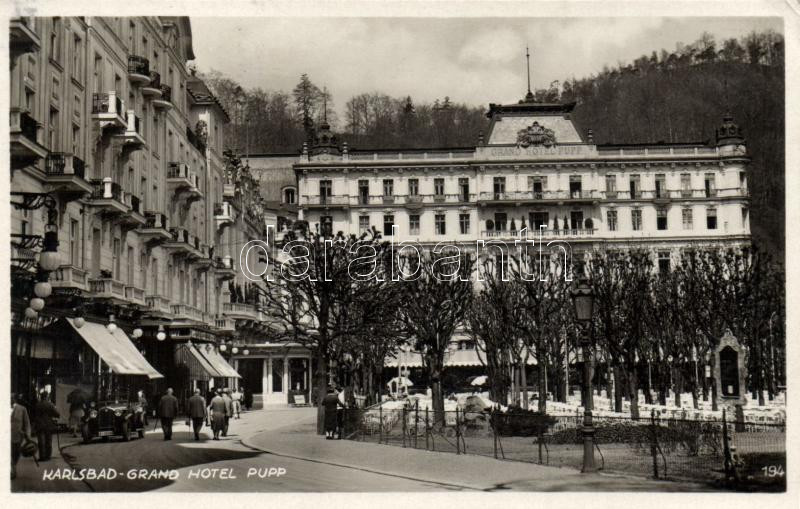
[123, 212]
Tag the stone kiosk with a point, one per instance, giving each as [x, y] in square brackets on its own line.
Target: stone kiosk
[729, 375]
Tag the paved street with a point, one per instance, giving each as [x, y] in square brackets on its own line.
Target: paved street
[284, 438]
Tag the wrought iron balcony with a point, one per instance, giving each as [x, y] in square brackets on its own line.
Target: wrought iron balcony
[132, 135]
[183, 243]
[153, 89]
[135, 215]
[138, 70]
[109, 110]
[66, 173]
[164, 101]
[24, 136]
[156, 229]
[108, 196]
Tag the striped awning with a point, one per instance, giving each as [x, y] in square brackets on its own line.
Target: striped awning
[455, 359]
[219, 364]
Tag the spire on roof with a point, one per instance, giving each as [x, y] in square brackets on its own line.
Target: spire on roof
[529, 96]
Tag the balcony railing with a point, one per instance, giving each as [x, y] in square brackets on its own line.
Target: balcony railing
[240, 309]
[224, 263]
[180, 235]
[223, 323]
[159, 304]
[107, 190]
[187, 312]
[59, 163]
[327, 200]
[135, 295]
[109, 103]
[106, 287]
[179, 171]
[69, 276]
[28, 126]
[136, 204]
[539, 195]
[546, 233]
[138, 65]
[155, 80]
[157, 220]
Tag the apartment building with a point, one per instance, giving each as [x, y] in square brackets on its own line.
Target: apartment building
[117, 148]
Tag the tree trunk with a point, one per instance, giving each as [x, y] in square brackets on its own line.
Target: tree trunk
[524, 382]
[678, 379]
[618, 387]
[321, 388]
[438, 400]
[648, 389]
[541, 368]
[634, 390]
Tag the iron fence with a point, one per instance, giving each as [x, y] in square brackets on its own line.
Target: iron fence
[718, 451]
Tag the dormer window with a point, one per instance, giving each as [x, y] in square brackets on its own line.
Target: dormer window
[289, 196]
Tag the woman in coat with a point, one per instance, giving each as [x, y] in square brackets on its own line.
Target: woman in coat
[218, 409]
[330, 403]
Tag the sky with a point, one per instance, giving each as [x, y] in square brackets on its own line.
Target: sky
[471, 60]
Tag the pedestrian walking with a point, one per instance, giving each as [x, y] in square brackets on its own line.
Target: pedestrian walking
[44, 424]
[77, 400]
[167, 411]
[144, 405]
[330, 404]
[236, 396]
[197, 412]
[217, 409]
[20, 431]
[247, 397]
[228, 409]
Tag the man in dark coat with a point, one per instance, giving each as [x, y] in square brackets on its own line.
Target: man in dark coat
[197, 412]
[228, 409]
[331, 402]
[217, 408]
[167, 411]
[45, 426]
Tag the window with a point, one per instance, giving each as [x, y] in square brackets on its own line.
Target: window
[663, 262]
[463, 221]
[132, 37]
[500, 219]
[326, 226]
[24, 222]
[438, 187]
[463, 188]
[99, 86]
[413, 224]
[77, 58]
[611, 186]
[53, 130]
[154, 275]
[325, 190]
[710, 185]
[55, 40]
[611, 220]
[576, 219]
[686, 185]
[74, 243]
[288, 196]
[388, 187]
[686, 214]
[143, 262]
[388, 222]
[711, 218]
[537, 186]
[116, 255]
[743, 180]
[634, 185]
[363, 224]
[538, 219]
[661, 219]
[363, 192]
[575, 186]
[76, 140]
[413, 187]
[440, 229]
[499, 187]
[661, 186]
[636, 219]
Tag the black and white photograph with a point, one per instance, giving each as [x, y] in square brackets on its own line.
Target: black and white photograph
[423, 251]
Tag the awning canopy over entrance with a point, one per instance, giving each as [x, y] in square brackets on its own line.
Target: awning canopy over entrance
[219, 364]
[115, 349]
[202, 361]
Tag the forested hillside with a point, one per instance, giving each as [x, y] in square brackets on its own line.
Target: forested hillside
[670, 96]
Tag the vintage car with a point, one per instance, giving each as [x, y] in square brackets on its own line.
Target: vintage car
[113, 419]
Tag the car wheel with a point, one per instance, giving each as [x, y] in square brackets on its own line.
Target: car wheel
[126, 434]
[87, 437]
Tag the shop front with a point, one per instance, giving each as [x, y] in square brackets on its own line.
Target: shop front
[276, 374]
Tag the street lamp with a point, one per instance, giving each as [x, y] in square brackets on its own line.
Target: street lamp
[583, 302]
[161, 335]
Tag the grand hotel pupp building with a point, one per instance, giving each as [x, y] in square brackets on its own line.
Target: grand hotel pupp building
[534, 168]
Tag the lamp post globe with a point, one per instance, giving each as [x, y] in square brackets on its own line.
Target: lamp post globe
[137, 332]
[37, 304]
[223, 347]
[161, 336]
[234, 350]
[31, 313]
[43, 289]
[246, 351]
[49, 260]
[78, 322]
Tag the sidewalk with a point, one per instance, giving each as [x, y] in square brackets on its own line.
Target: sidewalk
[300, 440]
[29, 476]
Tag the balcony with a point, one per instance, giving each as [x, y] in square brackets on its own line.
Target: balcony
[159, 305]
[228, 190]
[326, 202]
[69, 276]
[223, 214]
[183, 243]
[109, 110]
[224, 268]
[138, 70]
[135, 295]
[184, 312]
[152, 90]
[135, 216]
[107, 288]
[24, 137]
[108, 197]
[184, 182]
[555, 197]
[164, 101]
[204, 262]
[156, 229]
[239, 311]
[66, 173]
[22, 37]
[132, 135]
[388, 199]
[546, 234]
[224, 324]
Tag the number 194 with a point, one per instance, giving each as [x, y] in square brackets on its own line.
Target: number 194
[773, 471]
